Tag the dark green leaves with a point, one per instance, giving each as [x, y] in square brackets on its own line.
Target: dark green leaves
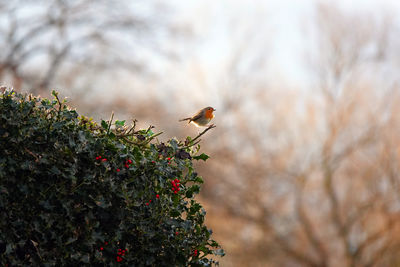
[202, 157]
[119, 123]
[78, 193]
[104, 124]
[194, 189]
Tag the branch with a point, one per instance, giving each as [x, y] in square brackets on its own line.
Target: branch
[310, 231]
[203, 132]
[55, 94]
[110, 122]
[32, 154]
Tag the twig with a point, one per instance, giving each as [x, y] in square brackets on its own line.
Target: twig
[198, 141]
[203, 132]
[132, 127]
[33, 154]
[153, 136]
[58, 100]
[35, 244]
[150, 127]
[145, 142]
[110, 122]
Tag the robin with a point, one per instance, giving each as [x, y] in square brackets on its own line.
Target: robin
[202, 118]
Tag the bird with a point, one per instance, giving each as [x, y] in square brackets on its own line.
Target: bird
[202, 118]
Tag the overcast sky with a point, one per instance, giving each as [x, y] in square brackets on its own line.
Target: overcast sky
[286, 27]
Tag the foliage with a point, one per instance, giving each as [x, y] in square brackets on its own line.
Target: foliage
[73, 192]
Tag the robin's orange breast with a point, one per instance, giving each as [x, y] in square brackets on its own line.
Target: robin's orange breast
[209, 114]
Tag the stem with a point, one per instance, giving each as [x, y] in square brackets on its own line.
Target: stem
[109, 123]
[200, 134]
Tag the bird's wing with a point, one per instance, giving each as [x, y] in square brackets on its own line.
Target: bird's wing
[197, 116]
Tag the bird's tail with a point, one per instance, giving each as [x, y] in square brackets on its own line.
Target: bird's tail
[186, 119]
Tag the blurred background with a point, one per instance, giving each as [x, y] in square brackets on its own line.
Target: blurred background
[305, 159]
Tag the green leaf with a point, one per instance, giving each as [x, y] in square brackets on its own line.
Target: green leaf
[194, 189]
[119, 123]
[174, 213]
[189, 194]
[199, 180]
[104, 124]
[202, 157]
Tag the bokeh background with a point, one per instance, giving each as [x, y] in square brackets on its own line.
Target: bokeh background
[305, 159]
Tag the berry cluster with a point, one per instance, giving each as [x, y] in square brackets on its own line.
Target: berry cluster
[105, 243]
[127, 162]
[100, 158]
[148, 203]
[195, 253]
[175, 186]
[121, 253]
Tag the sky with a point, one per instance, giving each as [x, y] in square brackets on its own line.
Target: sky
[284, 24]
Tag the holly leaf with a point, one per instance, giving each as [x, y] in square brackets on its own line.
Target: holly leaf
[202, 157]
[120, 123]
[104, 124]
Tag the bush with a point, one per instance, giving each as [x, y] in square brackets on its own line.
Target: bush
[73, 192]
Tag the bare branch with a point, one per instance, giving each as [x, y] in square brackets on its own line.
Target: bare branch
[203, 132]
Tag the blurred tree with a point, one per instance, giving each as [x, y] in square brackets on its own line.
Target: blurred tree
[314, 172]
[51, 43]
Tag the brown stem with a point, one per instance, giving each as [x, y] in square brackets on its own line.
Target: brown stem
[203, 132]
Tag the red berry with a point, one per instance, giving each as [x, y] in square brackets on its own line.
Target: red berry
[126, 165]
[153, 161]
[176, 233]
[147, 203]
[176, 180]
[150, 200]
[129, 161]
[119, 259]
[105, 243]
[118, 170]
[99, 157]
[101, 248]
[104, 159]
[168, 158]
[157, 196]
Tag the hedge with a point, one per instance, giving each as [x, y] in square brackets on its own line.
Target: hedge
[77, 193]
